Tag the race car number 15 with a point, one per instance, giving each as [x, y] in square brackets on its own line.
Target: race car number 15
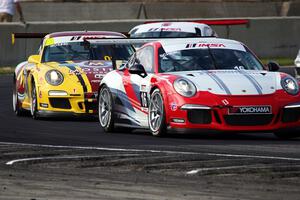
[144, 99]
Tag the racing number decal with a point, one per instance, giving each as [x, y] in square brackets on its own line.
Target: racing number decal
[144, 100]
[107, 58]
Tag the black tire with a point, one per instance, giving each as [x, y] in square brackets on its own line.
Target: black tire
[16, 104]
[156, 114]
[34, 103]
[286, 134]
[106, 110]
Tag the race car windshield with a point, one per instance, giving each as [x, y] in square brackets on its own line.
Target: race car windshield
[82, 51]
[163, 34]
[207, 59]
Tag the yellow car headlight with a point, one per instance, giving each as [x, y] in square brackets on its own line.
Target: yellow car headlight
[54, 77]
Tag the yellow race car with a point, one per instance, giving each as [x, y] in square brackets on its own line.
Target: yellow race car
[63, 78]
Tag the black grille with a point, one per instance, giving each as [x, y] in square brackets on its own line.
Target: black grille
[291, 115]
[248, 120]
[217, 117]
[199, 116]
[91, 106]
[62, 103]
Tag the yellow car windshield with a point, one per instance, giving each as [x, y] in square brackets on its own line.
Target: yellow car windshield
[81, 51]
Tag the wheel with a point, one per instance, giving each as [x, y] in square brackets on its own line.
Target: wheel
[34, 103]
[286, 134]
[105, 107]
[16, 104]
[156, 114]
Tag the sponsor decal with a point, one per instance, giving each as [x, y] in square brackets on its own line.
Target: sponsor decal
[75, 38]
[240, 110]
[164, 29]
[44, 105]
[95, 63]
[97, 80]
[225, 102]
[210, 45]
[173, 106]
[167, 24]
[75, 71]
[99, 76]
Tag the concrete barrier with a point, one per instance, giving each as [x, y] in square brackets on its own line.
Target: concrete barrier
[267, 37]
[211, 9]
[72, 11]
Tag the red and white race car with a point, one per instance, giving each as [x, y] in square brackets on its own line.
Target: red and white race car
[199, 83]
[172, 29]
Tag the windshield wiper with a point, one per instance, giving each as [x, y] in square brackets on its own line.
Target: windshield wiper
[212, 57]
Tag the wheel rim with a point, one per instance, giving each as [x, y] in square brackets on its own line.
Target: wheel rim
[33, 102]
[155, 112]
[104, 108]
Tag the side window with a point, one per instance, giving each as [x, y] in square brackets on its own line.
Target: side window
[131, 61]
[145, 57]
[198, 32]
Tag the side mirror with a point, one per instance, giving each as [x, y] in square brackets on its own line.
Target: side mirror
[138, 69]
[273, 66]
[34, 59]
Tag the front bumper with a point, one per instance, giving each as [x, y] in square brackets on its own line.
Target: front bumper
[215, 116]
[60, 103]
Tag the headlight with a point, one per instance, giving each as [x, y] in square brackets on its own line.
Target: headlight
[185, 87]
[54, 77]
[290, 85]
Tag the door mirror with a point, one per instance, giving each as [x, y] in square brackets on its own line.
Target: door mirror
[34, 59]
[273, 66]
[138, 69]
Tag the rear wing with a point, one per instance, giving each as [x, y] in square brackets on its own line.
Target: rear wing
[131, 41]
[15, 36]
[214, 22]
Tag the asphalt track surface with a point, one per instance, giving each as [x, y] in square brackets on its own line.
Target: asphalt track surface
[169, 159]
[87, 132]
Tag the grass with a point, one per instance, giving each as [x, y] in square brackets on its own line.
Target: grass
[7, 70]
[280, 61]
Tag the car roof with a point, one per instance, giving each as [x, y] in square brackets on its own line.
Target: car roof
[84, 33]
[78, 36]
[189, 43]
[172, 26]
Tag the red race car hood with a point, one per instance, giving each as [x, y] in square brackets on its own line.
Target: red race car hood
[234, 82]
[94, 70]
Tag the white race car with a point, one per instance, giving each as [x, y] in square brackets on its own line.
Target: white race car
[199, 83]
[172, 29]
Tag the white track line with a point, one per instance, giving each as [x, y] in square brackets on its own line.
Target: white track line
[143, 150]
[196, 171]
[47, 158]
